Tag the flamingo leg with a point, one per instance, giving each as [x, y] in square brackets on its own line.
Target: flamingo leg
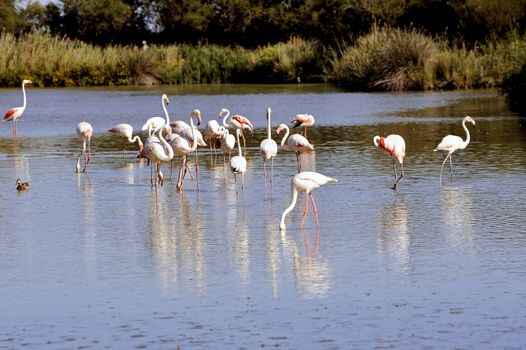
[315, 210]
[197, 169]
[14, 128]
[451, 166]
[306, 210]
[235, 182]
[394, 169]
[182, 172]
[401, 176]
[271, 171]
[298, 161]
[265, 169]
[442, 167]
[244, 144]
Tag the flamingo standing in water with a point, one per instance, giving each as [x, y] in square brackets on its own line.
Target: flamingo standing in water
[295, 143]
[305, 120]
[268, 149]
[395, 146]
[181, 147]
[238, 164]
[228, 142]
[85, 131]
[16, 112]
[158, 152]
[238, 122]
[126, 130]
[214, 132]
[451, 143]
[307, 182]
[156, 123]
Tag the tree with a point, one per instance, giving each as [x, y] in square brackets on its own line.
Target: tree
[8, 16]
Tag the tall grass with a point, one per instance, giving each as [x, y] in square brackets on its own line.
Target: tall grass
[53, 61]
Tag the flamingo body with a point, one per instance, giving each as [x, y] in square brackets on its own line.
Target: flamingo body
[85, 131]
[305, 120]
[126, 130]
[451, 143]
[307, 182]
[294, 143]
[16, 112]
[395, 146]
[156, 123]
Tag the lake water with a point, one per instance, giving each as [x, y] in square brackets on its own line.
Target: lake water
[101, 260]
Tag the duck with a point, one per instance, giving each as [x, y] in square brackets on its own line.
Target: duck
[21, 186]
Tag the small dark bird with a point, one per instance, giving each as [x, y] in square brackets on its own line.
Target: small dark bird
[21, 186]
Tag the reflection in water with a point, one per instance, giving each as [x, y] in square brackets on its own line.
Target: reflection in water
[394, 241]
[308, 161]
[89, 223]
[457, 206]
[241, 246]
[311, 272]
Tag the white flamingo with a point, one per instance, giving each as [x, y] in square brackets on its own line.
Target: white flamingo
[395, 146]
[268, 148]
[126, 130]
[16, 112]
[307, 182]
[228, 142]
[85, 131]
[238, 122]
[159, 152]
[451, 143]
[182, 148]
[157, 122]
[295, 143]
[238, 164]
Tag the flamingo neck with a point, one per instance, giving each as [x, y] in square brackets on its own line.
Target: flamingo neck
[24, 93]
[269, 136]
[137, 139]
[227, 114]
[166, 113]
[287, 131]
[194, 141]
[166, 146]
[466, 142]
[282, 225]
[238, 131]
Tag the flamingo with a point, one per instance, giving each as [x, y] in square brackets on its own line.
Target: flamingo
[85, 131]
[126, 130]
[268, 148]
[451, 143]
[181, 147]
[305, 120]
[395, 146]
[238, 122]
[159, 152]
[306, 181]
[214, 131]
[16, 112]
[158, 122]
[238, 164]
[295, 143]
[228, 142]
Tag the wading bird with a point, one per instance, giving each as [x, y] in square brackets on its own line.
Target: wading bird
[238, 122]
[158, 152]
[238, 164]
[268, 149]
[306, 181]
[228, 142]
[126, 130]
[21, 186]
[16, 112]
[156, 123]
[451, 143]
[181, 147]
[85, 131]
[295, 143]
[213, 133]
[305, 120]
[395, 146]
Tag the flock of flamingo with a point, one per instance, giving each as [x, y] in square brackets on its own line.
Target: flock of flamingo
[168, 139]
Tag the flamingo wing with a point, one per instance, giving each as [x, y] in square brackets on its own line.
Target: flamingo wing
[242, 122]
[303, 119]
[12, 113]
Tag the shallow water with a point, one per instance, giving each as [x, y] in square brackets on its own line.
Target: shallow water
[103, 260]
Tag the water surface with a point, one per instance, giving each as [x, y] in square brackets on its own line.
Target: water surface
[103, 260]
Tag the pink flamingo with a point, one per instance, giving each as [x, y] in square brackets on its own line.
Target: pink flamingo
[238, 164]
[451, 143]
[85, 131]
[268, 149]
[307, 182]
[181, 147]
[158, 152]
[295, 143]
[238, 122]
[16, 112]
[126, 130]
[395, 146]
[305, 120]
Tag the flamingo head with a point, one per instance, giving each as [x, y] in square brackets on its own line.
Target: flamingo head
[165, 99]
[280, 127]
[222, 112]
[469, 119]
[268, 112]
[26, 81]
[375, 140]
[197, 113]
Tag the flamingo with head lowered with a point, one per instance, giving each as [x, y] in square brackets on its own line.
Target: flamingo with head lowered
[237, 122]
[451, 143]
[126, 130]
[307, 182]
[181, 146]
[85, 131]
[305, 120]
[268, 148]
[395, 146]
[238, 164]
[16, 112]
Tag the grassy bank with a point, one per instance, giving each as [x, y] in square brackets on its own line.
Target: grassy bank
[54, 61]
[384, 60]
